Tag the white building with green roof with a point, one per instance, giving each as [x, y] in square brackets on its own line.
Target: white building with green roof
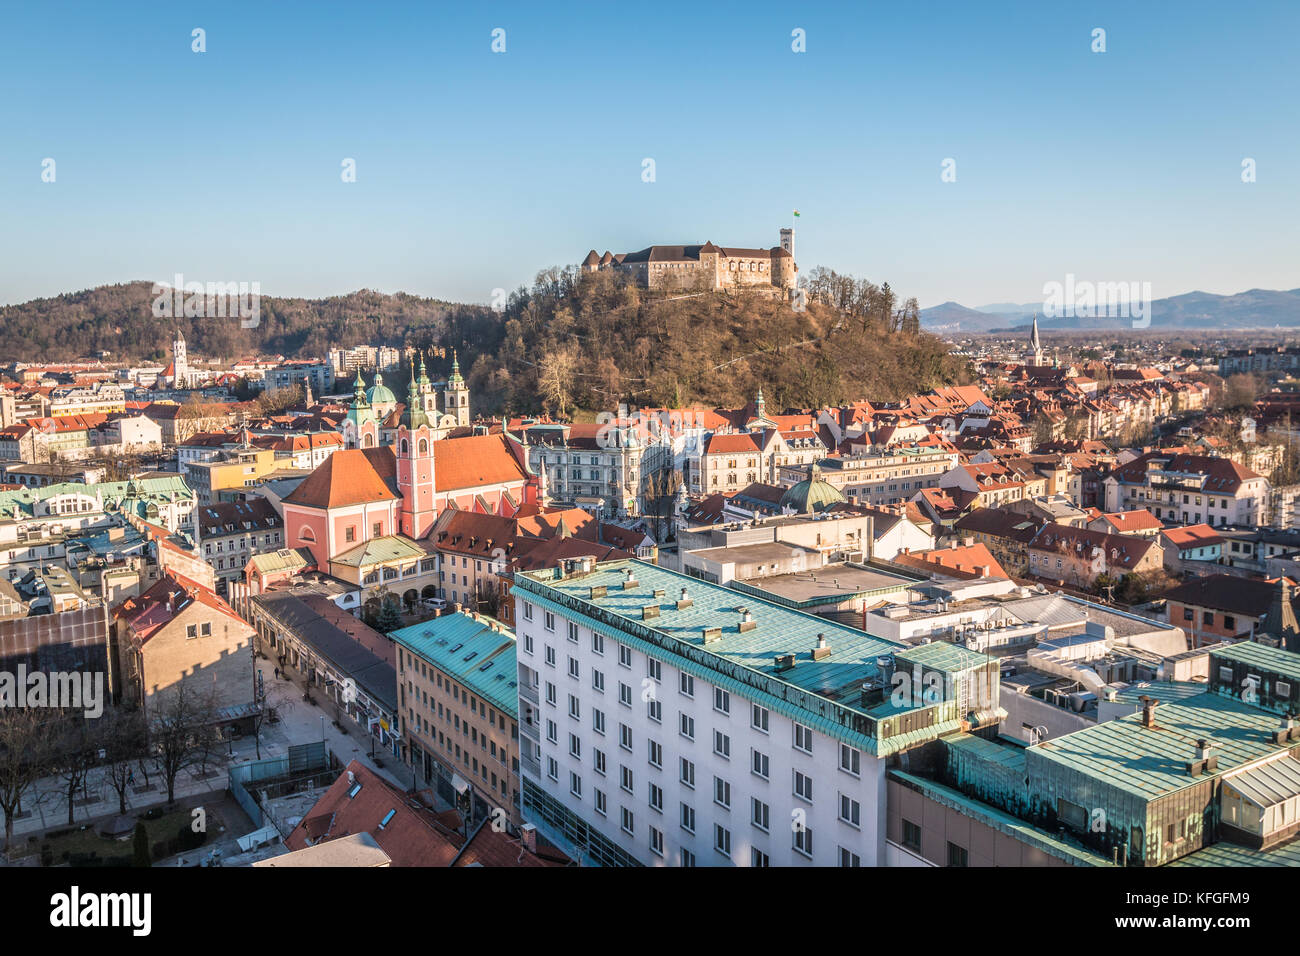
[665, 720]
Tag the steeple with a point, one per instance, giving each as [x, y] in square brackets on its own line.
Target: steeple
[414, 415]
[1035, 343]
[760, 404]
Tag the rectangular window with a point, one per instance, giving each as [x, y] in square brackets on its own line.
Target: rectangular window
[628, 823]
[573, 667]
[624, 655]
[549, 621]
[957, 856]
[598, 721]
[575, 784]
[597, 681]
[654, 670]
[654, 710]
[688, 773]
[656, 798]
[849, 858]
[803, 786]
[850, 810]
[688, 818]
[761, 814]
[626, 780]
[760, 764]
[722, 839]
[599, 761]
[686, 683]
[573, 632]
[686, 724]
[721, 700]
[624, 694]
[759, 718]
[597, 643]
[850, 760]
[721, 744]
[656, 842]
[758, 858]
[803, 738]
[656, 754]
[625, 737]
[803, 841]
[722, 792]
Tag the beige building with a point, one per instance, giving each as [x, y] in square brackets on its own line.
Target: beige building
[459, 707]
[178, 631]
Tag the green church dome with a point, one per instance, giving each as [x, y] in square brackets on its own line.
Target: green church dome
[813, 494]
[379, 393]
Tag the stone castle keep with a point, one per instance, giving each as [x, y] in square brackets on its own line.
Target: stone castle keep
[707, 267]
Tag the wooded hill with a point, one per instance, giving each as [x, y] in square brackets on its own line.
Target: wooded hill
[571, 342]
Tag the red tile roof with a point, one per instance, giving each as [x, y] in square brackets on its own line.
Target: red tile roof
[347, 477]
[473, 462]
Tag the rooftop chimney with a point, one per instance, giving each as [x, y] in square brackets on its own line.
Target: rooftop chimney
[1148, 711]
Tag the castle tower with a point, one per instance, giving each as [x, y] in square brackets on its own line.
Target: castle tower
[456, 399]
[787, 240]
[415, 464]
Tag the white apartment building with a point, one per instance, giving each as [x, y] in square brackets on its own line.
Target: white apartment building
[1188, 489]
[652, 733]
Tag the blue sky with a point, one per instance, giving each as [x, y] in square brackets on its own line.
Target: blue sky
[475, 170]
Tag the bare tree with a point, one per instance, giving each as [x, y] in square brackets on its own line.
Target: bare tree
[24, 759]
[122, 737]
[76, 749]
[182, 730]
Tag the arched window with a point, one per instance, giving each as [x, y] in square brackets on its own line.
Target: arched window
[306, 535]
[368, 441]
[424, 446]
[405, 446]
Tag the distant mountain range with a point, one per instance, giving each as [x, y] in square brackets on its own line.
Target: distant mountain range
[1255, 309]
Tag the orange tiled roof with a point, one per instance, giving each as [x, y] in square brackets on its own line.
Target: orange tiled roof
[345, 478]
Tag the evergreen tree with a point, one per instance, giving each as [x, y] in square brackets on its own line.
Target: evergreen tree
[140, 846]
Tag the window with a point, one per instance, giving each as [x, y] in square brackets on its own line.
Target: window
[759, 764]
[549, 621]
[625, 737]
[552, 768]
[803, 738]
[850, 760]
[624, 655]
[688, 818]
[575, 745]
[575, 708]
[722, 839]
[721, 744]
[597, 681]
[573, 667]
[957, 856]
[656, 750]
[626, 780]
[761, 814]
[850, 810]
[688, 773]
[597, 643]
[598, 721]
[573, 632]
[803, 841]
[624, 694]
[686, 684]
[722, 792]
[803, 786]
[688, 858]
[687, 726]
[550, 656]
[758, 720]
[550, 693]
[656, 842]
[552, 732]
[721, 701]
[600, 802]
[654, 670]
[599, 761]
[575, 784]
[848, 858]
[656, 799]
[528, 611]
[350, 534]
[628, 823]
[654, 710]
[758, 858]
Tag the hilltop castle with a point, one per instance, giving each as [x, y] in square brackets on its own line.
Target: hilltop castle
[707, 267]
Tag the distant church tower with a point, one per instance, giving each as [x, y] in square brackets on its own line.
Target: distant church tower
[787, 240]
[1035, 353]
[456, 395]
[180, 365]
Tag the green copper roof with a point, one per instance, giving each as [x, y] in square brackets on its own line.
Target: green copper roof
[1271, 659]
[471, 652]
[391, 547]
[1151, 761]
[705, 638]
[380, 394]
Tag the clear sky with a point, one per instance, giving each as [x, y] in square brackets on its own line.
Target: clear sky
[477, 169]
